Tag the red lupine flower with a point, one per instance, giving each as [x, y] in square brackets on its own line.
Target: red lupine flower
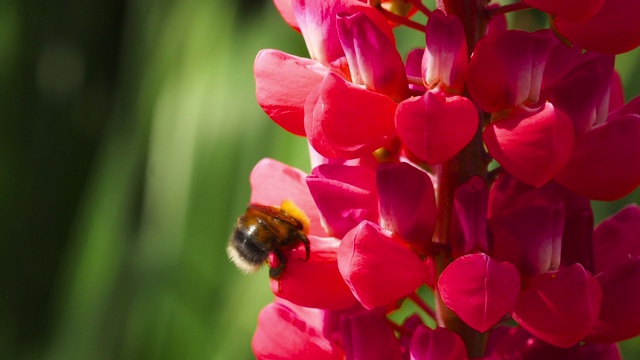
[400, 194]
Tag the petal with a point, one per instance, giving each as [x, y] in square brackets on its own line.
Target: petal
[376, 267]
[530, 236]
[317, 21]
[614, 29]
[506, 69]
[283, 83]
[572, 10]
[345, 195]
[479, 289]
[366, 335]
[604, 163]
[282, 333]
[362, 41]
[343, 120]
[440, 344]
[407, 203]
[619, 317]
[445, 57]
[272, 182]
[314, 283]
[617, 238]
[286, 11]
[436, 127]
[560, 307]
[582, 90]
[531, 147]
[469, 218]
[413, 68]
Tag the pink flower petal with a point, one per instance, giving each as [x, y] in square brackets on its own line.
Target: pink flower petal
[582, 90]
[572, 10]
[413, 68]
[282, 333]
[479, 289]
[616, 95]
[272, 182]
[283, 83]
[376, 267]
[531, 147]
[407, 203]
[506, 69]
[315, 283]
[619, 317]
[530, 236]
[445, 57]
[366, 335]
[469, 219]
[436, 127]
[317, 21]
[604, 163]
[614, 29]
[362, 41]
[345, 195]
[343, 120]
[617, 239]
[437, 344]
[560, 307]
[286, 11]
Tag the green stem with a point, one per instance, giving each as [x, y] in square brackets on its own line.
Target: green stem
[471, 161]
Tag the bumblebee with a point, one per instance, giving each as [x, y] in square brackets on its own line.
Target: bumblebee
[266, 229]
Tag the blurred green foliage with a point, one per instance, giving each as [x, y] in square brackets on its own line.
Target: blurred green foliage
[128, 132]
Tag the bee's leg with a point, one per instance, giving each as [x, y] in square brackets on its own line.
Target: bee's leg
[307, 247]
[276, 272]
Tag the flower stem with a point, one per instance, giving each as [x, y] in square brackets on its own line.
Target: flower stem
[469, 162]
[420, 6]
[422, 305]
[508, 8]
[402, 20]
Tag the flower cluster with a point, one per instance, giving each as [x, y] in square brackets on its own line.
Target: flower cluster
[400, 195]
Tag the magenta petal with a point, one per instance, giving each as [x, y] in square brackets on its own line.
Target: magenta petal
[619, 317]
[437, 344]
[506, 69]
[413, 68]
[283, 83]
[283, 334]
[599, 352]
[272, 182]
[604, 163]
[469, 219]
[345, 195]
[445, 57]
[435, 127]
[315, 283]
[317, 21]
[366, 335]
[343, 120]
[376, 267]
[362, 41]
[531, 147]
[407, 203]
[530, 236]
[573, 10]
[285, 9]
[617, 239]
[560, 307]
[479, 289]
[582, 91]
[614, 29]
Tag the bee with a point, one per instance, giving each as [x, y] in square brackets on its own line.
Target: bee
[266, 229]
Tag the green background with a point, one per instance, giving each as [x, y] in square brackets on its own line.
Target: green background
[128, 131]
